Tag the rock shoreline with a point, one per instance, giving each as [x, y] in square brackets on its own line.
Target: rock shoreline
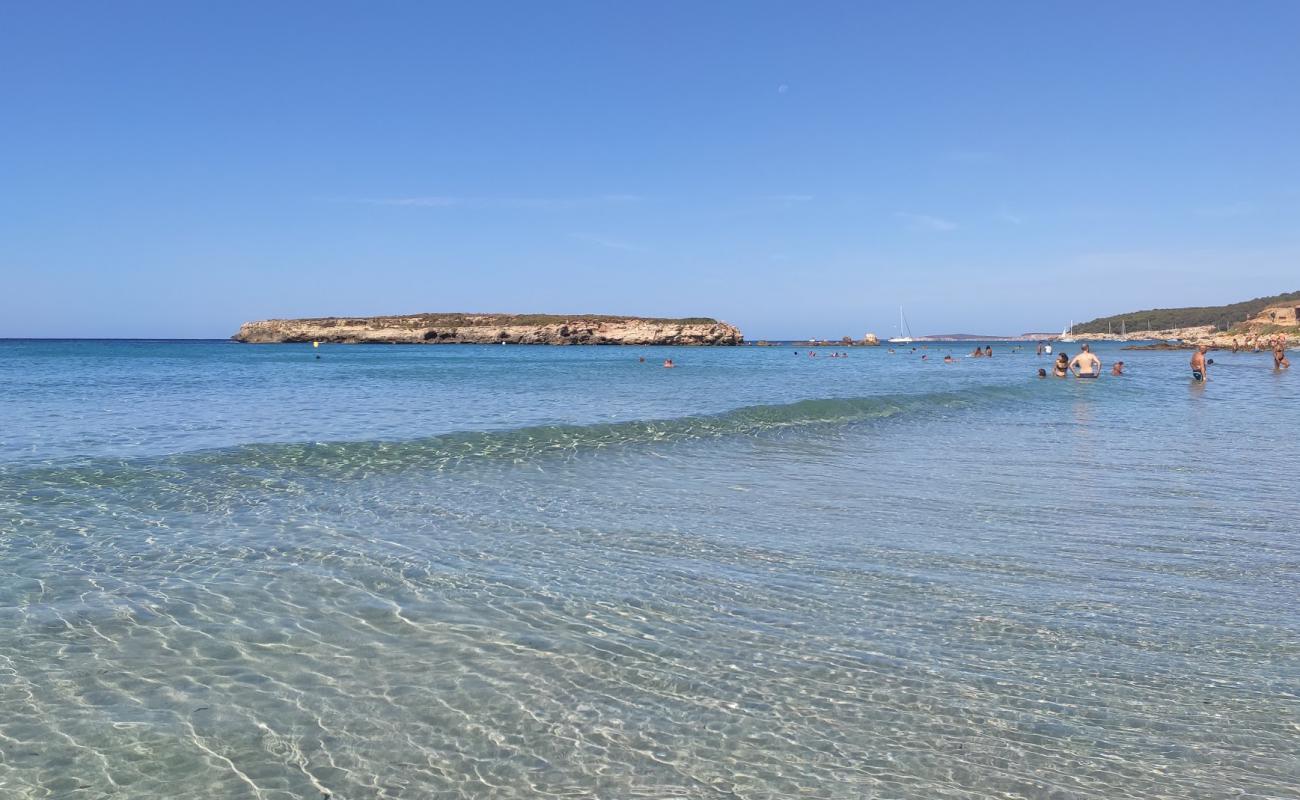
[1189, 338]
[492, 329]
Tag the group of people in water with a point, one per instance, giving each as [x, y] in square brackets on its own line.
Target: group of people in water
[1087, 365]
[1201, 365]
[1084, 365]
[1252, 344]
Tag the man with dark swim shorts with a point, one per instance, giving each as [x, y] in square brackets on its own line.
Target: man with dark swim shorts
[1198, 364]
[1085, 365]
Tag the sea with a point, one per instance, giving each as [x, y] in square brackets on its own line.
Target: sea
[284, 572]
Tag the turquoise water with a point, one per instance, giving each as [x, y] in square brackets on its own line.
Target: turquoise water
[241, 572]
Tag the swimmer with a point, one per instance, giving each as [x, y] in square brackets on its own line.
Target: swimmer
[668, 363]
[1042, 373]
[1118, 369]
[1199, 365]
[1085, 365]
[988, 351]
[1062, 365]
[948, 360]
[641, 360]
[1279, 354]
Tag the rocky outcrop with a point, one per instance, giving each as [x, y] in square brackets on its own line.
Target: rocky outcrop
[1248, 337]
[1286, 315]
[492, 329]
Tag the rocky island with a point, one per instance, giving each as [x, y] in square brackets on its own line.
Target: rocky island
[492, 329]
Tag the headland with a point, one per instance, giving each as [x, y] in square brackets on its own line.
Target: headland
[1245, 324]
[493, 329]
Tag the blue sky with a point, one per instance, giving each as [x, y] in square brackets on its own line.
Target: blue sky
[799, 169]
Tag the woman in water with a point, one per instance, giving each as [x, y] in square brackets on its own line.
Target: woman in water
[1062, 366]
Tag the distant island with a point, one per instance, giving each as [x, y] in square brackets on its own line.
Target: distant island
[554, 329]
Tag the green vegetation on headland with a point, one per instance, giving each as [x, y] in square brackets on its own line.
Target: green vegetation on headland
[1157, 319]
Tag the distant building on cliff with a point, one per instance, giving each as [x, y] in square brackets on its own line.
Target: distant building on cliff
[1285, 315]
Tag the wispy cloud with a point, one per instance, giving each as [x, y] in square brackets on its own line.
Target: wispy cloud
[606, 242]
[925, 222]
[506, 202]
[1009, 218]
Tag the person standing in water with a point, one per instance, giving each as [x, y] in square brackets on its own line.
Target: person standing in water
[1118, 369]
[1062, 365]
[1199, 367]
[1279, 354]
[1085, 365]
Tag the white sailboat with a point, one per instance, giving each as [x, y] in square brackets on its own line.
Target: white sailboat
[1067, 335]
[902, 326]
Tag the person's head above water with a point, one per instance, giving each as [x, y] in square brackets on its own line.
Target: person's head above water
[1042, 373]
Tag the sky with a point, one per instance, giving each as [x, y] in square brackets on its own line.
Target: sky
[799, 169]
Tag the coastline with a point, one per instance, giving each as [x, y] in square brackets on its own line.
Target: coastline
[547, 329]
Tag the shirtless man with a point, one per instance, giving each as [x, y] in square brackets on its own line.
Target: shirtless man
[1118, 369]
[1198, 364]
[1085, 365]
[1279, 354]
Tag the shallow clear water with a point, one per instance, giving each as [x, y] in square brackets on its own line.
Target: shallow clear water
[232, 571]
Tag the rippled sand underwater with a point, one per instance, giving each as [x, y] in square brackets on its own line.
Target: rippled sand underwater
[884, 583]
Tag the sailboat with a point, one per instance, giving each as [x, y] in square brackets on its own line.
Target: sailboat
[902, 326]
[1067, 335]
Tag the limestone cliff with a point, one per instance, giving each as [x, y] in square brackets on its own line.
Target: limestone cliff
[492, 329]
[1248, 337]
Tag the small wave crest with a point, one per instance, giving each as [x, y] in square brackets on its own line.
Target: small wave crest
[261, 462]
